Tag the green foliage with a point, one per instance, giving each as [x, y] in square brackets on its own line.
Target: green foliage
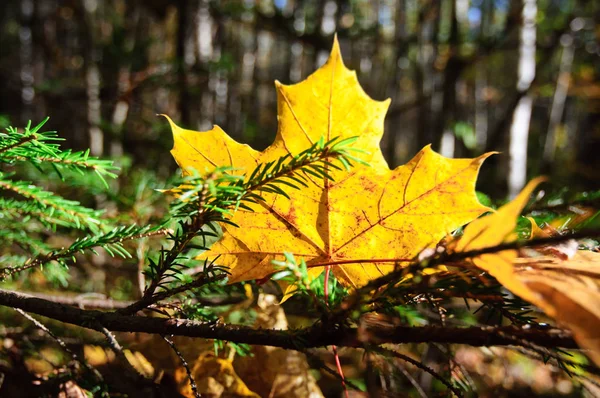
[23, 201]
[41, 149]
[29, 212]
[296, 275]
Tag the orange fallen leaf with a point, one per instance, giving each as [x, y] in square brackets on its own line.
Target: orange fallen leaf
[563, 284]
[358, 224]
[493, 230]
[568, 291]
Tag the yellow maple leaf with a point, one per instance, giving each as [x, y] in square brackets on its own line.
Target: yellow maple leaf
[359, 223]
[566, 289]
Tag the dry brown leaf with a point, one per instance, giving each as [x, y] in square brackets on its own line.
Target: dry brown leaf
[215, 378]
[568, 291]
[271, 371]
[562, 283]
[70, 389]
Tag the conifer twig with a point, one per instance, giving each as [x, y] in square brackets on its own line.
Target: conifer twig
[118, 350]
[355, 298]
[193, 385]
[23, 140]
[111, 241]
[63, 345]
[145, 302]
[423, 367]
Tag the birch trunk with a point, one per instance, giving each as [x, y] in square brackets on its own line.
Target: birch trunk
[519, 131]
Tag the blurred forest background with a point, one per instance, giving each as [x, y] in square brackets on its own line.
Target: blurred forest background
[468, 76]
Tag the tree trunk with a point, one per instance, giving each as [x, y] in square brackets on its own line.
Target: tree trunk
[519, 131]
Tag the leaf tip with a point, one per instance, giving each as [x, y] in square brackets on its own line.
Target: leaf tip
[336, 53]
[171, 122]
[336, 43]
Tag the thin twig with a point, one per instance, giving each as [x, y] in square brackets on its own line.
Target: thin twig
[185, 365]
[338, 364]
[147, 301]
[62, 344]
[316, 361]
[412, 381]
[118, 350]
[468, 380]
[419, 365]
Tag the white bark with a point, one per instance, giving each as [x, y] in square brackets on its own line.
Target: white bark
[519, 132]
[560, 95]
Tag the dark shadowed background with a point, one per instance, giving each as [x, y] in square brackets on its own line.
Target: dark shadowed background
[468, 76]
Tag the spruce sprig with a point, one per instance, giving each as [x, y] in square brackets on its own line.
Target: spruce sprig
[49, 205]
[42, 148]
[111, 241]
[28, 212]
[228, 191]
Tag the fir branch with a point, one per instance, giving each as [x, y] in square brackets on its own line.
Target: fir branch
[294, 171]
[69, 210]
[111, 241]
[40, 148]
[13, 143]
[189, 208]
[222, 192]
[77, 161]
[49, 217]
[453, 259]
[170, 262]
[203, 200]
[13, 139]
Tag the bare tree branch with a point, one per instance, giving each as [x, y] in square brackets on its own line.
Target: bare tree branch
[316, 336]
